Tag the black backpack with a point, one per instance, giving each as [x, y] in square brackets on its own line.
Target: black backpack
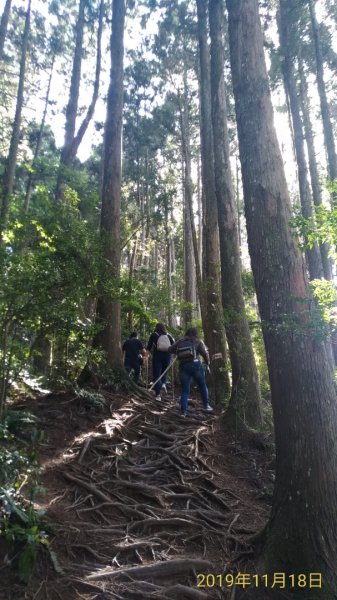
[186, 350]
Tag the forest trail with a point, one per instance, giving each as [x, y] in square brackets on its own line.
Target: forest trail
[140, 500]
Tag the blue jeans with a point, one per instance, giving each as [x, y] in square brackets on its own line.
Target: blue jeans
[188, 370]
[160, 362]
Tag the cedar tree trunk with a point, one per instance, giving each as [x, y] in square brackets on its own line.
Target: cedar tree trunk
[325, 110]
[188, 197]
[9, 174]
[214, 329]
[3, 26]
[189, 262]
[245, 402]
[301, 536]
[72, 141]
[108, 306]
[313, 167]
[31, 177]
[286, 30]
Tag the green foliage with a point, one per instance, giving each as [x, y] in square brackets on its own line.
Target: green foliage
[322, 228]
[248, 284]
[91, 400]
[48, 273]
[324, 293]
[20, 523]
[256, 332]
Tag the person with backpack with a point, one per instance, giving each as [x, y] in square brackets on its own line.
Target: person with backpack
[187, 350]
[133, 352]
[159, 342]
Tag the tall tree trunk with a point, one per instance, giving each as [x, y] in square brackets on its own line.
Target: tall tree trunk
[199, 199]
[38, 144]
[325, 110]
[313, 168]
[237, 197]
[188, 196]
[9, 174]
[169, 267]
[4, 25]
[147, 195]
[72, 106]
[245, 402]
[132, 264]
[189, 268]
[91, 108]
[286, 28]
[173, 286]
[189, 263]
[72, 141]
[301, 536]
[108, 306]
[155, 257]
[214, 324]
[316, 190]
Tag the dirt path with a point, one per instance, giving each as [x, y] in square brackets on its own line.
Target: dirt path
[140, 501]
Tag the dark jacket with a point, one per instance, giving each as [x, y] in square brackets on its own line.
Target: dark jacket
[199, 345]
[132, 348]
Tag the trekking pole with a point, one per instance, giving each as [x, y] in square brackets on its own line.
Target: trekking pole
[147, 371]
[173, 380]
[167, 368]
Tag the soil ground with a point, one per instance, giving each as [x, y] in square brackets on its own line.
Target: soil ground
[140, 502]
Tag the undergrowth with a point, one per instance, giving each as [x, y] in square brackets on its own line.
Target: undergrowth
[21, 526]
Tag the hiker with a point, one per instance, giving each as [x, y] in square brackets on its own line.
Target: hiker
[187, 350]
[159, 342]
[133, 353]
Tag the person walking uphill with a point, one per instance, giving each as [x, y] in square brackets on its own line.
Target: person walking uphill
[187, 350]
[133, 349]
[159, 342]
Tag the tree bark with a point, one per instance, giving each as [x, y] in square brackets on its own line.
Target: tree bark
[108, 306]
[189, 262]
[188, 196]
[316, 189]
[325, 109]
[4, 25]
[301, 536]
[286, 29]
[313, 168]
[72, 107]
[72, 141]
[38, 144]
[245, 402]
[170, 266]
[214, 319]
[132, 264]
[90, 112]
[9, 174]
[199, 199]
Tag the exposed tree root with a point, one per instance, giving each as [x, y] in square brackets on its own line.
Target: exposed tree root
[164, 570]
[146, 509]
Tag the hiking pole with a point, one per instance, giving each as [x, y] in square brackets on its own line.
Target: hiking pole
[173, 380]
[147, 371]
[167, 368]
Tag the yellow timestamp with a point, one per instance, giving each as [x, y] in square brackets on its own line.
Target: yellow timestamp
[273, 580]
